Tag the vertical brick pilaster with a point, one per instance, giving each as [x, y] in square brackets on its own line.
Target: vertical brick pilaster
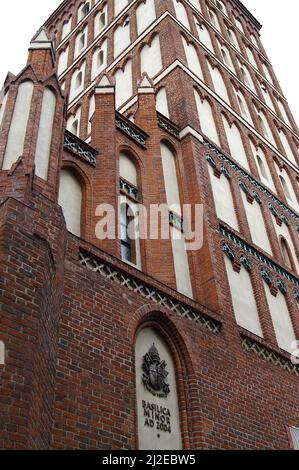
[106, 175]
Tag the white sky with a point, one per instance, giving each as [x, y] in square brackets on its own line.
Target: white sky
[21, 19]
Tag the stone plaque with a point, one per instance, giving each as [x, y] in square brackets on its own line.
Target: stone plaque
[157, 400]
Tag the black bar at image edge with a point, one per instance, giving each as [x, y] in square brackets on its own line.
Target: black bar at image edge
[146, 459]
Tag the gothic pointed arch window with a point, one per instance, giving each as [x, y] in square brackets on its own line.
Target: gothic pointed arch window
[70, 199]
[128, 252]
[18, 127]
[220, 5]
[119, 5]
[77, 82]
[122, 37]
[173, 197]
[129, 210]
[265, 127]
[100, 21]
[73, 122]
[91, 110]
[162, 102]
[232, 38]
[214, 19]
[3, 105]
[263, 167]
[254, 40]
[267, 73]
[266, 95]
[235, 142]
[79, 79]
[203, 34]
[81, 42]
[83, 10]
[239, 25]
[287, 187]
[63, 61]
[181, 13]
[243, 299]
[226, 57]
[246, 77]
[218, 82]
[45, 134]
[193, 61]
[150, 57]
[145, 15]
[251, 57]
[206, 118]
[99, 60]
[123, 84]
[286, 252]
[66, 28]
[283, 112]
[243, 106]
[286, 146]
[75, 126]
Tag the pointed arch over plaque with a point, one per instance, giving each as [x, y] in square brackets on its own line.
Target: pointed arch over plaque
[156, 391]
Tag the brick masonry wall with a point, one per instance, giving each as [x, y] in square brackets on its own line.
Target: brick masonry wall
[69, 377]
[95, 398]
[92, 357]
[31, 279]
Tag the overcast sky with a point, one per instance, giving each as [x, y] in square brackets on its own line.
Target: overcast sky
[21, 19]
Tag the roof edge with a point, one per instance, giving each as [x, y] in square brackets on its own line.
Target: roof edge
[247, 12]
[237, 2]
[56, 12]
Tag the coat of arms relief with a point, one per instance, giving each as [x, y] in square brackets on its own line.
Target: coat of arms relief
[155, 373]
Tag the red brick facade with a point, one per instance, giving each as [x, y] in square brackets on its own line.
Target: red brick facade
[71, 309]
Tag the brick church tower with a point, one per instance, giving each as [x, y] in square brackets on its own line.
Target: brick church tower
[132, 341]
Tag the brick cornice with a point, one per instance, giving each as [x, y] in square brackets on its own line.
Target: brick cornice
[248, 13]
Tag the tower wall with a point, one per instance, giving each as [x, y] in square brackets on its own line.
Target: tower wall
[74, 305]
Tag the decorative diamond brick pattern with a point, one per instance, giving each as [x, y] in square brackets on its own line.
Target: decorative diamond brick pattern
[104, 269]
[270, 356]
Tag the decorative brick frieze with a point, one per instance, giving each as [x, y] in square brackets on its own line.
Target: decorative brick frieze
[103, 268]
[167, 125]
[252, 180]
[270, 356]
[259, 256]
[80, 148]
[129, 189]
[128, 128]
